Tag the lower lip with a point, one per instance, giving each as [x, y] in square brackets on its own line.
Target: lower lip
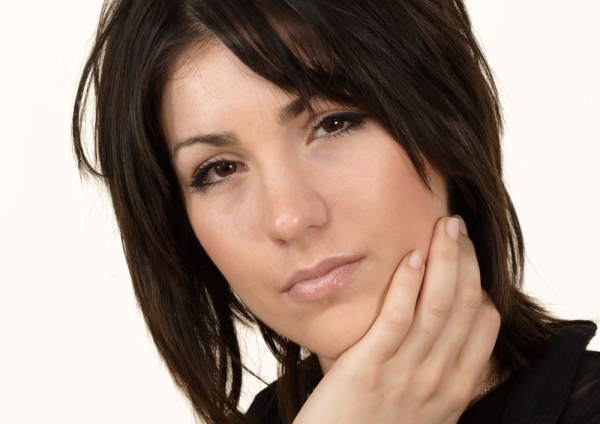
[325, 285]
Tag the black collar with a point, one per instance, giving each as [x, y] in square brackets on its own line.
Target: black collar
[536, 396]
[540, 394]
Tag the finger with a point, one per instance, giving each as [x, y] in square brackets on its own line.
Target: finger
[436, 298]
[480, 343]
[396, 316]
[467, 301]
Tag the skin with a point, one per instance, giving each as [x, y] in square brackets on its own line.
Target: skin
[425, 359]
[297, 193]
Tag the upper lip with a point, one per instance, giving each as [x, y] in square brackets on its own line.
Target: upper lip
[318, 270]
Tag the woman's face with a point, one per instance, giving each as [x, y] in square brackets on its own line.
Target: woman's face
[306, 215]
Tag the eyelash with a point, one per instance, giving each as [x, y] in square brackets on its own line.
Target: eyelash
[198, 183]
[355, 121]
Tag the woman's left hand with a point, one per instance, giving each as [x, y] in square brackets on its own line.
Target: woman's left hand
[425, 357]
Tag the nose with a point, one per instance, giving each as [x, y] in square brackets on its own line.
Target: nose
[294, 208]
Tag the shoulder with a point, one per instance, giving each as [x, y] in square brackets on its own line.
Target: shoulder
[583, 405]
[264, 407]
[561, 385]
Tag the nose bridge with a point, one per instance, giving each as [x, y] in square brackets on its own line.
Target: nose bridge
[293, 204]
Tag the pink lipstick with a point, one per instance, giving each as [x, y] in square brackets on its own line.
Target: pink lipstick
[324, 279]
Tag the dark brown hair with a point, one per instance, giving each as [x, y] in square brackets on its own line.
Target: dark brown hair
[413, 65]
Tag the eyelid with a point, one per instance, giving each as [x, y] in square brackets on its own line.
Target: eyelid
[318, 118]
[203, 169]
[354, 117]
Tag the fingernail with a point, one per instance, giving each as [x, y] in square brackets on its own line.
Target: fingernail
[416, 260]
[452, 228]
[462, 225]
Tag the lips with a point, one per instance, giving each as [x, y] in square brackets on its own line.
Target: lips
[326, 277]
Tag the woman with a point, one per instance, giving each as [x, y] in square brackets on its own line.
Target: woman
[331, 172]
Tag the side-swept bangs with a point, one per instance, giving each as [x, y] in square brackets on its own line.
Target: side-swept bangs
[408, 64]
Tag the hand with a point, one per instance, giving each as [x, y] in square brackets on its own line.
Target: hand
[425, 357]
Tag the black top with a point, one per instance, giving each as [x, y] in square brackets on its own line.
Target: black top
[563, 386]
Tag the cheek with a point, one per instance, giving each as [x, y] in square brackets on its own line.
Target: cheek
[390, 206]
[220, 228]
[230, 236]
[413, 208]
[219, 234]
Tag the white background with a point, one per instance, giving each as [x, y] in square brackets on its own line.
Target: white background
[73, 347]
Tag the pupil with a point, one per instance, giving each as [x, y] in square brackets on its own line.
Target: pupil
[225, 169]
[334, 125]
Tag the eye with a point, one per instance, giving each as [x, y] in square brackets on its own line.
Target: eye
[222, 170]
[338, 123]
[214, 172]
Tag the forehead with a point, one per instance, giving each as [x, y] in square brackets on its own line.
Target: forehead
[206, 86]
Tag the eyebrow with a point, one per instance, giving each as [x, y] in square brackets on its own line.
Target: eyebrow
[291, 111]
[217, 140]
[286, 114]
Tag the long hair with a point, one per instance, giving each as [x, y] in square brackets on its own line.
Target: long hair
[413, 65]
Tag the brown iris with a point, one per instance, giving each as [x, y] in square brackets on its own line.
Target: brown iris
[225, 169]
[333, 125]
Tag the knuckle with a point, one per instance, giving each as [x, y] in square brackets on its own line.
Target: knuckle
[492, 314]
[368, 382]
[496, 319]
[404, 382]
[397, 320]
[409, 280]
[472, 273]
[435, 380]
[471, 298]
[428, 332]
[431, 383]
[422, 392]
[445, 251]
[448, 253]
[439, 307]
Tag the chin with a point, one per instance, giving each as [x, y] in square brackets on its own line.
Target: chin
[341, 329]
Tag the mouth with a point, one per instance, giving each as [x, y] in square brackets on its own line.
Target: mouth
[323, 279]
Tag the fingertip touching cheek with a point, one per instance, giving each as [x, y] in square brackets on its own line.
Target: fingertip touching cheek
[306, 214]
